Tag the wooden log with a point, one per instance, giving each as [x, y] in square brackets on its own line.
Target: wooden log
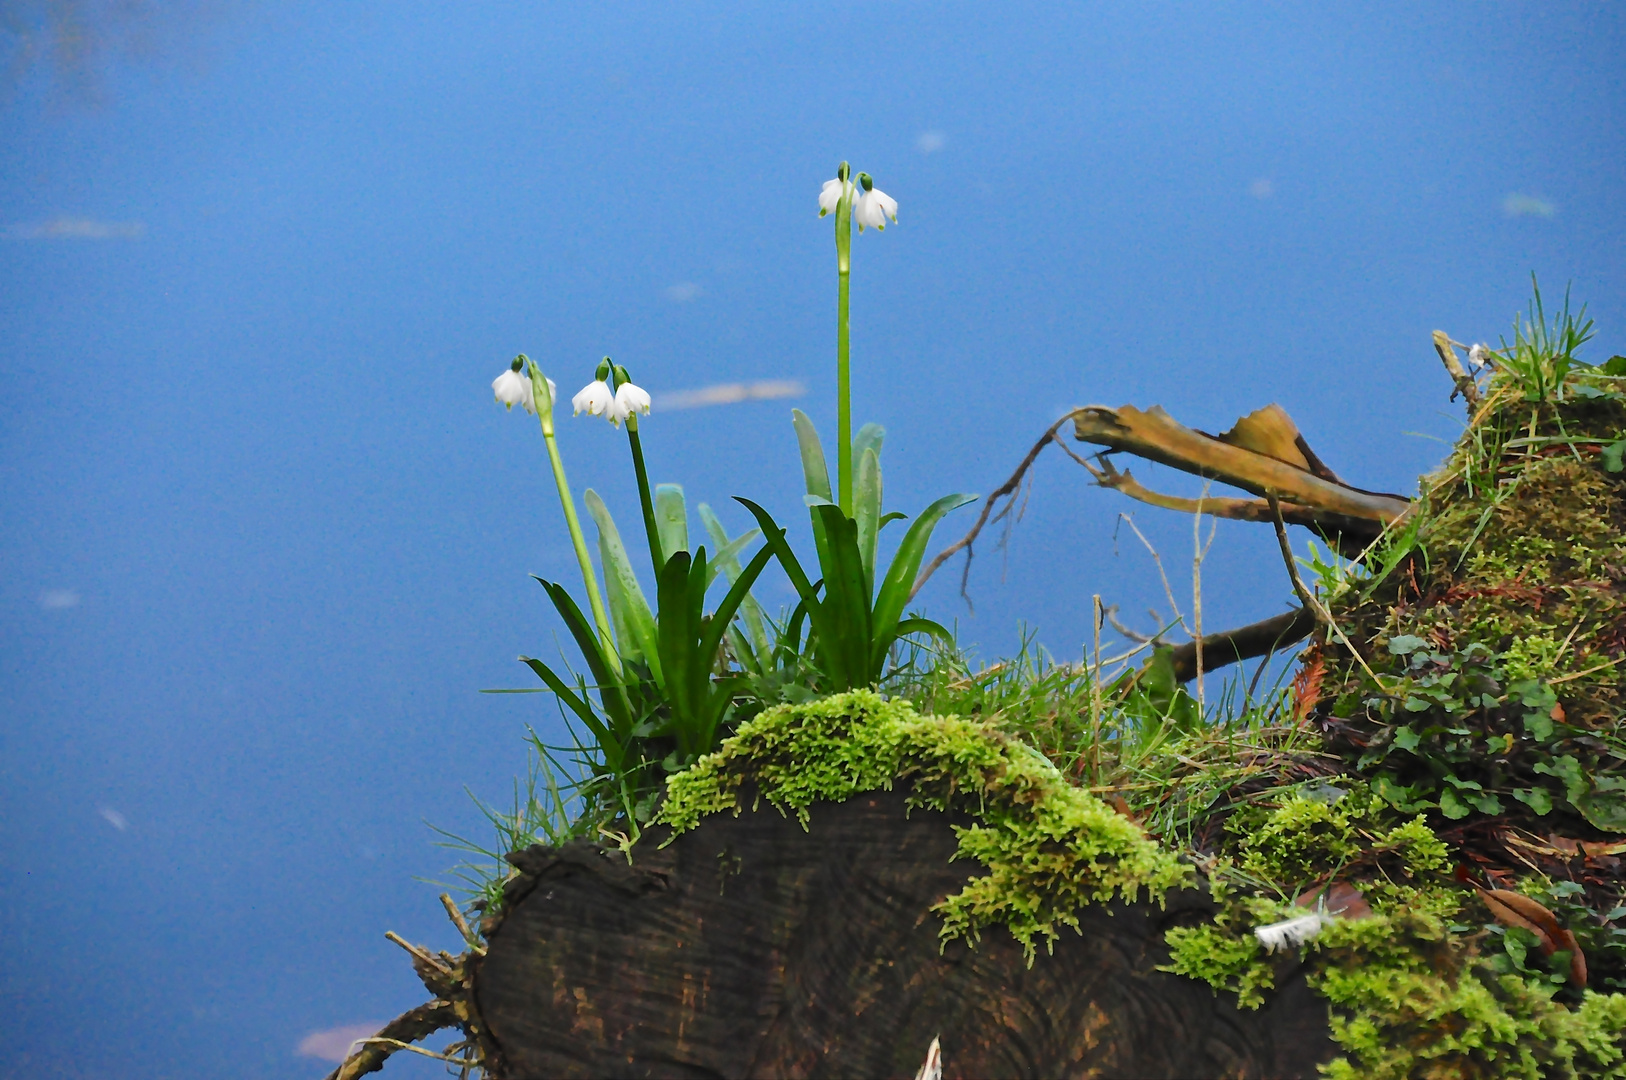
[749, 947]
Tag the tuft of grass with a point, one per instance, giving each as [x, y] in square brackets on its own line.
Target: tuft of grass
[1542, 353]
[547, 808]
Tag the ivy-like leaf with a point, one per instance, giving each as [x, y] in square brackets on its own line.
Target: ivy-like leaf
[1405, 644]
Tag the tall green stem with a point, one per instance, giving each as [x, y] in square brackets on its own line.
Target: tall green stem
[544, 411]
[844, 418]
[656, 555]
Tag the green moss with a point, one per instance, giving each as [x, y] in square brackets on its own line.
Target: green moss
[1049, 848]
[1409, 992]
[1304, 840]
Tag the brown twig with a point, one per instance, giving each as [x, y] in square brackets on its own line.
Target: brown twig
[1309, 598]
[1004, 491]
[410, 1026]
[1243, 643]
[462, 925]
[1466, 386]
[417, 952]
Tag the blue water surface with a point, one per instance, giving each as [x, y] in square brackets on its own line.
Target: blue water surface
[265, 534]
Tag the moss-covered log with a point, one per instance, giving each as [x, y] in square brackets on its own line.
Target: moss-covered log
[748, 947]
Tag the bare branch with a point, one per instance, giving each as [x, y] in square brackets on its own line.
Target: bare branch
[1466, 386]
[1322, 615]
[1004, 491]
[1243, 643]
[409, 1027]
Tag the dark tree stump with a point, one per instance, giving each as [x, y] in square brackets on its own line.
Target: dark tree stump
[751, 948]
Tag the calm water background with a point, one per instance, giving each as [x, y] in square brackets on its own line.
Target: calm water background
[264, 533]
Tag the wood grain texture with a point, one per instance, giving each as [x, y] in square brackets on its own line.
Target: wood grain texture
[751, 948]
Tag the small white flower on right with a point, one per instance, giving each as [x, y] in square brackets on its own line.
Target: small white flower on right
[630, 399]
[874, 206]
[595, 399]
[1479, 356]
[511, 388]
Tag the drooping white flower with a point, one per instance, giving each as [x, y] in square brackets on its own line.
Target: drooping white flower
[596, 399]
[630, 399]
[831, 194]
[1479, 356]
[873, 208]
[511, 388]
[1291, 932]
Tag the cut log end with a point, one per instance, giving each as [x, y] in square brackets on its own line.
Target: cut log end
[749, 947]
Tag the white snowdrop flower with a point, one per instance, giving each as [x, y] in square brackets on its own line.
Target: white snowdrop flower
[630, 399]
[511, 388]
[831, 194]
[1479, 356]
[873, 208]
[596, 399]
[1291, 932]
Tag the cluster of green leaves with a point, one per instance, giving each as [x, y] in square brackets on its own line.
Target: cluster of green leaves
[855, 620]
[1451, 735]
[674, 678]
[1308, 838]
[1048, 846]
[661, 701]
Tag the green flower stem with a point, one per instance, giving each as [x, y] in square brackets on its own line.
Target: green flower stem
[544, 413]
[656, 556]
[844, 419]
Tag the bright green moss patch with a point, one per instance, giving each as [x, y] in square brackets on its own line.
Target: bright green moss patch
[1049, 847]
[1413, 992]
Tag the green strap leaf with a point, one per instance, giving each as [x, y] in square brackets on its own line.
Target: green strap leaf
[676, 633]
[629, 612]
[867, 511]
[900, 576]
[918, 625]
[671, 519]
[847, 598]
[611, 693]
[814, 470]
[824, 624]
[750, 611]
[869, 437]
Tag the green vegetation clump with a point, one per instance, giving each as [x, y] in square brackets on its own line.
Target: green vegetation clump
[1413, 992]
[1499, 636]
[1049, 846]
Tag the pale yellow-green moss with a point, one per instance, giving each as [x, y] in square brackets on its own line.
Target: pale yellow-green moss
[1048, 847]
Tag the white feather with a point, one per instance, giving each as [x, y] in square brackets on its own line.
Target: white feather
[1291, 932]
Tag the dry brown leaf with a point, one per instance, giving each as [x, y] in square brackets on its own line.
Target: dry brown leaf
[1343, 899]
[1269, 431]
[1595, 851]
[1566, 940]
[1515, 909]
